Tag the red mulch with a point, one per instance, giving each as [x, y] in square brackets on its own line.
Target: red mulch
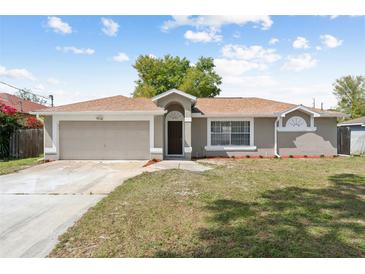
[151, 162]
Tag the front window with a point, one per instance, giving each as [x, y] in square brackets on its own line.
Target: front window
[230, 133]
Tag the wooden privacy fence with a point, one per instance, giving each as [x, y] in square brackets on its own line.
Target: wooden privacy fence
[26, 143]
[343, 140]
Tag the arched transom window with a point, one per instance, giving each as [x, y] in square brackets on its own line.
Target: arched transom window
[296, 122]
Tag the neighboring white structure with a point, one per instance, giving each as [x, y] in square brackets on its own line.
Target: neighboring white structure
[357, 133]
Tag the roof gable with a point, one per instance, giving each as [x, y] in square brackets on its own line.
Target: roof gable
[300, 108]
[174, 91]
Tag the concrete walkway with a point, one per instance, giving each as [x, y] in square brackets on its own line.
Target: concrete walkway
[39, 203]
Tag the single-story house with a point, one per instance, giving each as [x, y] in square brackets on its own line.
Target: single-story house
[356, 134]
[21, 105]
[175, 124]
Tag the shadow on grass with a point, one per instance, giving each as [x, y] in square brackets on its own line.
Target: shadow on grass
[289, 222]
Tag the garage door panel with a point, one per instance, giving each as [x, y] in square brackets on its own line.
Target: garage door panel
[104, 140]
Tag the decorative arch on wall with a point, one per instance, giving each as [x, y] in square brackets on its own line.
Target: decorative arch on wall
[296, 122]
[174, 116]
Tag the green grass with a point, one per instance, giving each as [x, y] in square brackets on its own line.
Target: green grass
[241, 208]
[15, 165]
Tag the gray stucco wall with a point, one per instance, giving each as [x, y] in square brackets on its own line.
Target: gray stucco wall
[263, 139]
[357, 140]
[158, 134]
[198, 137]
[48, 131]
[322, 141]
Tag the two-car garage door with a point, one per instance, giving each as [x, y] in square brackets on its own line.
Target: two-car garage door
[107, 140]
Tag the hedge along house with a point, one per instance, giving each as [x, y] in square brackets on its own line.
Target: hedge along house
[176, 125]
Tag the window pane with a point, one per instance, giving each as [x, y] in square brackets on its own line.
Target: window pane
[230, 133]
[246, 126]
[220, 139]
[240, 139]
[215, 127]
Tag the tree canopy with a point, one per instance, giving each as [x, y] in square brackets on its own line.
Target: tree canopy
[350, 93]
[157, 75]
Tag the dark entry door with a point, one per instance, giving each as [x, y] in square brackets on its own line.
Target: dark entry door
[174, 135]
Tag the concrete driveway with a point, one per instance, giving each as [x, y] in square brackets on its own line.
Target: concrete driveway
[39, 203]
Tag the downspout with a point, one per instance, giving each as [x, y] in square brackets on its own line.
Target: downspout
[276, 137]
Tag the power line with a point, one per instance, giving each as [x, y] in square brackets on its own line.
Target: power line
[24, 90]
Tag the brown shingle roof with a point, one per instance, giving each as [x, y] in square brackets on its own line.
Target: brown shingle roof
[246, 106]
[250, 106]
[114, 103]
[20, 104]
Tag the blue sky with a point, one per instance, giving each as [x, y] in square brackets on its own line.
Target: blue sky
[286, 58]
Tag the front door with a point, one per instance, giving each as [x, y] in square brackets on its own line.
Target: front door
[174, 136]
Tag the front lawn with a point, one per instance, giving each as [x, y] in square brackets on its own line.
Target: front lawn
[241, 208]
[15, 165]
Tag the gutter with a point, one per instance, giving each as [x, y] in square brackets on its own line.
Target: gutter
[276, 137]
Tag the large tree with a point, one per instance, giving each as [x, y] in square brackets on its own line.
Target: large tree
[156, 75]
[350, 93]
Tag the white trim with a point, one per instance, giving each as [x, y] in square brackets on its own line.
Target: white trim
[176, 91]
[178, 118]
[130, 113]
[276, 151]
[50, 150]
[187, 119]
[232, 115]
[252, 137]
[351, 124]
[188, 149]
[152, 132]
[245, 115]
[302, 108]
[156, 150]
[306, 129]
[230, 148]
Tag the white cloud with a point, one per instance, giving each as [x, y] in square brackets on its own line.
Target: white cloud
[301, 43]
[216, 21]
[233, 67]
[299, 62]
[110, 27]
[330, 41]
[237, 60]
[16, 73]
[318, 48]
[202, 36]
[53, 81]
[255, 52]
[75, 50]
[121, 57]
[58, 25]
[273, 41]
